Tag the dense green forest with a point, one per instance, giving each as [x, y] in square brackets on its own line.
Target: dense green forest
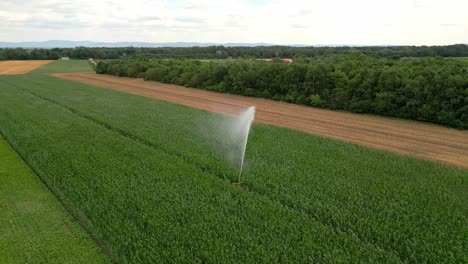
[427, 89]
[221, 52]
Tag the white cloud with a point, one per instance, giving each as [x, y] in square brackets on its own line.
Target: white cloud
[414, 22]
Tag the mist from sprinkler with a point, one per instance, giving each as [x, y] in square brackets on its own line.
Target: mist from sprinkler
[227, 136]
[241, 127]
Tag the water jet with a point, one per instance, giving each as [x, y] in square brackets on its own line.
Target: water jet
[243, 123]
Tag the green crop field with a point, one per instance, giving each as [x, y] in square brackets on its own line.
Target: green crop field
[145, 177]
[64, 66]
[34, 226]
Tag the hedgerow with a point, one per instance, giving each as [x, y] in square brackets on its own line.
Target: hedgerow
[428, 89]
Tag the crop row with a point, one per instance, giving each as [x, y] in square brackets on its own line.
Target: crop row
[409, 209]
[147, 205]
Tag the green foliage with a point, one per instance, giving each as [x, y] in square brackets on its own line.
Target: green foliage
[315, 100]
[427, 89]
[143, 179]
[221, 52]
[34, 226]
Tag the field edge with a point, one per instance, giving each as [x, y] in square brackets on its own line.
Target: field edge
[69, 211]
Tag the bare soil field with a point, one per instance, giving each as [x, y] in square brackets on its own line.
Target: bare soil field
[412, 138]
[20, 66]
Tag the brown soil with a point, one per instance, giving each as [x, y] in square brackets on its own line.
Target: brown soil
[20, 67]
[412, 138]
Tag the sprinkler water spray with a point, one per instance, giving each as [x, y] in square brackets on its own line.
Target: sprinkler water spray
[244, 120]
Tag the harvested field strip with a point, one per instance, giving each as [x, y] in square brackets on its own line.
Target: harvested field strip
[151, 207]
[404, 137]
[347, 121]
[20, 67]
[234, 106]
[357, 191]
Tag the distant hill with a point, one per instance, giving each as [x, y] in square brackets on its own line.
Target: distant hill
[91, 44]
[72, 44]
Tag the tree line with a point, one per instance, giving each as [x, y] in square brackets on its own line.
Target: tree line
[427, 89]
[221, 52]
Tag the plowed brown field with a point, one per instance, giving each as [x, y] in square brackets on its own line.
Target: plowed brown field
[404, 137]
[20, 67]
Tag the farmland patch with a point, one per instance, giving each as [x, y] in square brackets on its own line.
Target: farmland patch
[143, 181]
[421, 140]
[20, 66]
[34, 226]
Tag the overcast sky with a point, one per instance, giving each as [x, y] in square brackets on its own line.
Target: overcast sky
[367, 22]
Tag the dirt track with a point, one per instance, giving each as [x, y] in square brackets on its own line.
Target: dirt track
[405, 137]
[20, 67]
